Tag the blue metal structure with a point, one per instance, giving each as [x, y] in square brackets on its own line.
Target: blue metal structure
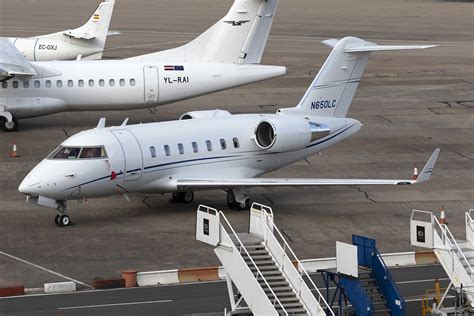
[370, 257]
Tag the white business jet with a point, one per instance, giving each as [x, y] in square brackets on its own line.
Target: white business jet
[84, 42]
[223, 57]
[212, 149]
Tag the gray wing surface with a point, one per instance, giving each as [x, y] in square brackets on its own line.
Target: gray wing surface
[12, 63]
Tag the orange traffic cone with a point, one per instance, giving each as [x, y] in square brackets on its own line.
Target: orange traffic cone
[442, 218]
[415, 173]
[14, 152]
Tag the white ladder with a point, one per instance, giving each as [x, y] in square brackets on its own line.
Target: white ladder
[260, 264]
[457, 258]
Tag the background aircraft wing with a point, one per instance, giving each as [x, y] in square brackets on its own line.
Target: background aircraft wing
[12, 62]
[199, 183]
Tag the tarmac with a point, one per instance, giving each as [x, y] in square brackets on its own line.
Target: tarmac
[409, 102]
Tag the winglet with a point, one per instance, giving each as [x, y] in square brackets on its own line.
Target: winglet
[425, 174]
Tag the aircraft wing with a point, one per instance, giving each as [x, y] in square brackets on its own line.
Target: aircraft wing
[12, 63]
[200, 183]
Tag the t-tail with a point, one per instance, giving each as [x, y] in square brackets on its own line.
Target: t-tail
[239, 37]
[93, 33]
[332, 90]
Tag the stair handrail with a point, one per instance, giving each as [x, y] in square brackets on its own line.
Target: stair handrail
[303, 270]
[469, 226]
[448, 237]
[241, 244]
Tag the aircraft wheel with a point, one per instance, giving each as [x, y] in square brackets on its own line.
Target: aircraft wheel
[64, 220]
[56, 220]
[231, 203]
[245, 205]
[188, 197]
[9, 126]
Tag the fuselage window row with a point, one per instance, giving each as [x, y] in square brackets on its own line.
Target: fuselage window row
[70, 83]
[194, 145]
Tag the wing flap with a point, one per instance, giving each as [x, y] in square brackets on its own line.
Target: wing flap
[12, 63]
[199, 183]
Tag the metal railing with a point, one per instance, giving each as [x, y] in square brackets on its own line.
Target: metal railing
[265, 211]
[258, 272]
[469, 226]
[450, 243]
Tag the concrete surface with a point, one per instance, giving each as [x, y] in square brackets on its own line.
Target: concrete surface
[410, 103]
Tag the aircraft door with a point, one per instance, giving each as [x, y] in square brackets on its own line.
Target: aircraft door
[150, 78]
[132, 154]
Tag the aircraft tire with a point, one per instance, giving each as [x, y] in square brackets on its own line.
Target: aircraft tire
[243, 206]
[231, 203]
[9, 127]
[64, 220]
[188, 197]
[56, 220]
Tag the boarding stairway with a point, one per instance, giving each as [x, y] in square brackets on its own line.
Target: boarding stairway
[260, 266]
[456, 256]
[368, 285]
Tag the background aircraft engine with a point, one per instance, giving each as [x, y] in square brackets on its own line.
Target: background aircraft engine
[285, 134]
[204, 114]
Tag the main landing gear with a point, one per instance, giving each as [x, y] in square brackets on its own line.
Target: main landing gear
[62, 219]
[8, 125]
[182, 197]
[238, 199]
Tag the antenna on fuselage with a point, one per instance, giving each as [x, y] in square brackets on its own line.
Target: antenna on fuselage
[101, 123]
[124, 123]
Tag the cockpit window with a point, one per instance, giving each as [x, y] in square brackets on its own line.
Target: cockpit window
[92, 152]
[79, 152]
[67, 153]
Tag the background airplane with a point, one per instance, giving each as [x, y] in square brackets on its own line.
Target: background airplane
[212, 149]
[223, 57]
[84, 42]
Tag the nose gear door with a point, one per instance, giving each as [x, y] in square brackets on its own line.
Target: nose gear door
[132, 153]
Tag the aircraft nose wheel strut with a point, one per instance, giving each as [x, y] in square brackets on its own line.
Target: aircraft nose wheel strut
[182, 197]
[238, 199]
[62, 219]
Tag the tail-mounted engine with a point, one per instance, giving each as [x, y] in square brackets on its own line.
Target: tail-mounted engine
[288, 133]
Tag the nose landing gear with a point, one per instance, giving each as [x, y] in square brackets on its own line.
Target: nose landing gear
[238, 199]
[62, 219]
[182, 197]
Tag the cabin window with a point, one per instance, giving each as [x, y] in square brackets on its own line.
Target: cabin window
[70, 83]
[91, 83]
[122, 82]
[112, 82]
[48, 84]
[181, 148]
[223, 144]
[15, 84]
[195, 147]
[4, 85]
[81, 83]
[66, 153]
[235, 140]
[59, 84]
[167, 150]
[208, 145]
[93, 152]
[132, 82]
[153, 151]
[26, 84]
[101, 82]
[37, 84]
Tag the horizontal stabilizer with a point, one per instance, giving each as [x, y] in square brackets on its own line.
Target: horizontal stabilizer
[379, 48]
[200, 183]
[12, 63]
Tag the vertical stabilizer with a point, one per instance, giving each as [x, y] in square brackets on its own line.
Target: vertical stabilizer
[239, 37]
[93, 33]
[333, 88]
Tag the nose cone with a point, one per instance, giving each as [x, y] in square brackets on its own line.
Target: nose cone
[30, 185]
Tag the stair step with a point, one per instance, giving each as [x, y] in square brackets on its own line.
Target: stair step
[278, 289]
[287, 300]
[257, 252]
[264, 268]
[258, 257]
[274, 283]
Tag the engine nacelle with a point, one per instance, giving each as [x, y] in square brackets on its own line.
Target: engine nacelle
[204, 114]
[288, 133]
